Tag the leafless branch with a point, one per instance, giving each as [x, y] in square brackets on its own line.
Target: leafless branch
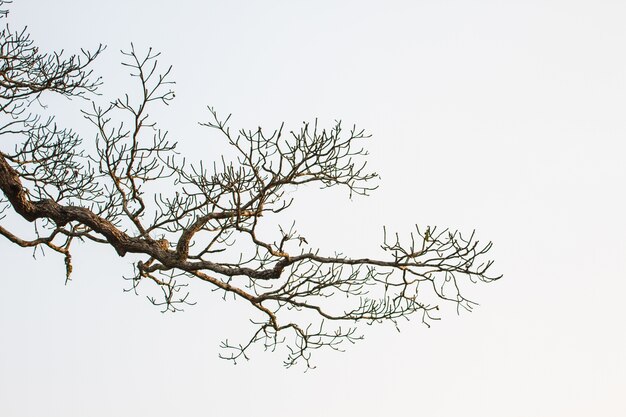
[200, 221]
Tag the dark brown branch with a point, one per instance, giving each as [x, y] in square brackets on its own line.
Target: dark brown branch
[137, 195]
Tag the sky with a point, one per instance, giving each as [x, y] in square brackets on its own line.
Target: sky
[502, 116]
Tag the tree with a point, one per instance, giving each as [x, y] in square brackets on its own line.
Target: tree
[130, 190]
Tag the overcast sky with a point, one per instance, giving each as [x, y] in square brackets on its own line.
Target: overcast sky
[507, 117]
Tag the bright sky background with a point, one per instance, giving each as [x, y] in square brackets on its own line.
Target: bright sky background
[503, 116]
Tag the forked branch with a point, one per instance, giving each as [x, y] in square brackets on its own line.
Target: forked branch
[186, 221]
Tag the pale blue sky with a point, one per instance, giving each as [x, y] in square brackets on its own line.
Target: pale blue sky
[504, 116]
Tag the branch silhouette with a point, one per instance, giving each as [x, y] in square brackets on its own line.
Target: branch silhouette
[185, 221]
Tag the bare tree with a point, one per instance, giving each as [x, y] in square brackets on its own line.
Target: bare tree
[206, 225]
